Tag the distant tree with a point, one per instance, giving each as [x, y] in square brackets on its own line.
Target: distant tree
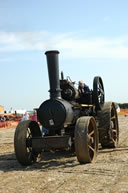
[123, 105]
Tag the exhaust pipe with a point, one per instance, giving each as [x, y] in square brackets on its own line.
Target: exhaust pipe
[53, 72]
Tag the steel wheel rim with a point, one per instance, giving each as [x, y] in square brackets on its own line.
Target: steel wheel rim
[28, 146]
[92, 140]
[114, 131]
[32, 156]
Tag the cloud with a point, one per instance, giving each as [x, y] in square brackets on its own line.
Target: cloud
[68, 43]
[10, 42]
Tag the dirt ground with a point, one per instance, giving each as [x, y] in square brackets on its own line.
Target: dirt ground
[61, 173]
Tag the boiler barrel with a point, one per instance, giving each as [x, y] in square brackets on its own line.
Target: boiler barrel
[54, 114]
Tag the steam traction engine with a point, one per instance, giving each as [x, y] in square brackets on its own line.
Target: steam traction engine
[72, 121]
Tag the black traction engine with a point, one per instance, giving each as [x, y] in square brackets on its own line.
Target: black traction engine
[73, 122]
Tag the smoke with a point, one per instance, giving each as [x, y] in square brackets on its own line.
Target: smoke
[68, 43]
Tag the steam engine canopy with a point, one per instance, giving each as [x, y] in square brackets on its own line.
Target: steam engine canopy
[51, 114]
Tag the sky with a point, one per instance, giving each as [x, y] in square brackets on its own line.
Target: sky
[91, 36]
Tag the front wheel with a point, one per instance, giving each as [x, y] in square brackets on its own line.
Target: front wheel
[24, 132]
[86, 139]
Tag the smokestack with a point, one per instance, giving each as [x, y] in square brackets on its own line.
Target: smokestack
[53, 72]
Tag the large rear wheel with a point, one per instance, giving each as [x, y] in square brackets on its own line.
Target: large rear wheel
[24, 132]
[108, 126]
[86, 139]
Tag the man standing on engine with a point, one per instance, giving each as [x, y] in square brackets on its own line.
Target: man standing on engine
[83, 88]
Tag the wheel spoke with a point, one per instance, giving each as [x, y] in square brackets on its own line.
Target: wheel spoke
[28, 132]
[90, 147]
[91, 133]
[102, 91]
[113, 117]
[114, 132]
[29, 149]
[100, 86]
[29, 155]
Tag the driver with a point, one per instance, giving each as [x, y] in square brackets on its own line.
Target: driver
[82, 88]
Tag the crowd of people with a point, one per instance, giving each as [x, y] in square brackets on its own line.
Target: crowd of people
[2, 118]
[82, 89]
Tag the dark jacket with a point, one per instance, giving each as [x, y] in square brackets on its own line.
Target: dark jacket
[83, 90]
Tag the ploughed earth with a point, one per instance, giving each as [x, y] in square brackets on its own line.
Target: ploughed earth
[60, 172]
